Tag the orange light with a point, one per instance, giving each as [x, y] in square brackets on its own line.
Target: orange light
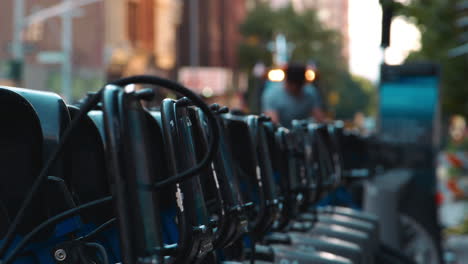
[276, 75]
[310, 75]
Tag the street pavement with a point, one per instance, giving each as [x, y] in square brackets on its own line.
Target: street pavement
[456, 249]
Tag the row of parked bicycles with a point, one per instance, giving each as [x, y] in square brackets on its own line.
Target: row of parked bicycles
[110, 181]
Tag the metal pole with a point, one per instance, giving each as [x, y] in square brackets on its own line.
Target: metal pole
[67, 47]
[194, 33]
[17, 45]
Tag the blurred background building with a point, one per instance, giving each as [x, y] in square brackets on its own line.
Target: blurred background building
[193, 41]
[208, 40]
[40, 55]
[218, 34]
[107, 38]
[112, 38]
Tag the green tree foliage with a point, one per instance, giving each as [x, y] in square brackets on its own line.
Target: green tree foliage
[358, 95]
[439, 33]
[312, 42]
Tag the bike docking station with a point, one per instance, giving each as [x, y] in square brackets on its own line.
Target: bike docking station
[110, 181]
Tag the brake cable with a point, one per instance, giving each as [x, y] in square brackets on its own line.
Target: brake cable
[89, 104]
[57, 218]
[99, 248]
[98, 230]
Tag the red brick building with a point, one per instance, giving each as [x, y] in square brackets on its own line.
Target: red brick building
[137, 32]
[218, 27]
[115, 37]
[88, 41]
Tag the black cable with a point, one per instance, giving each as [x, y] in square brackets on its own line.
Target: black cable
[96, 231]
[214, 139]
[89, 105]
[101, 250]
[15, 251]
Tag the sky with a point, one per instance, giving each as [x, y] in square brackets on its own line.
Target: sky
[365, 32]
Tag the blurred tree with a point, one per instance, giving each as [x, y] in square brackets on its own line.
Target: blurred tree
[370, 91]
[436, 19]
[312, 43]
[258, 30]
[311, 40]
[358, 95]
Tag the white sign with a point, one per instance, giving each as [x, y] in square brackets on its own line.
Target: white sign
[206, 80]
[50, 57]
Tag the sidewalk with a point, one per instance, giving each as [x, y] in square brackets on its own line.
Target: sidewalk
[458, 245]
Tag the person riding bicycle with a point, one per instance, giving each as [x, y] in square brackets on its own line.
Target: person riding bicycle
[293, 98]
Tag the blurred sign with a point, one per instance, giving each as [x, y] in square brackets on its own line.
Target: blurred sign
[50, 57]
[409, 132]
[206, 80]
[409, 102]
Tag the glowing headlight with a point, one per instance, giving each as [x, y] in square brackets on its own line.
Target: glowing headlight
[276, 75]
[310, 75]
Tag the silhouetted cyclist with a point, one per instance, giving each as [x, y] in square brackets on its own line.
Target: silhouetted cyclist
[293, 98]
